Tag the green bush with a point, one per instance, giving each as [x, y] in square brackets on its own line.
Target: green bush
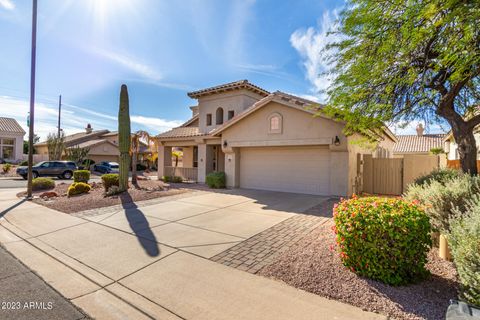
[464, 241]
[440, 175]
[216, 180]
[110, 179]
[81, 176]
[440, 198]
[42, 184]
[78, 188]
[6, 168]
[383, 239]
[174, 179]
[24, 163]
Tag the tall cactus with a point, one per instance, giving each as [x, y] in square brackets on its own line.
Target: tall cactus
[124, 138]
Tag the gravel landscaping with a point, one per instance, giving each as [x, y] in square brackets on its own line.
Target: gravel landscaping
[148, 189]
[311, 265]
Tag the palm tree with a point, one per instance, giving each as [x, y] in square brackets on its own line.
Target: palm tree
[137, 139]
[177, 154]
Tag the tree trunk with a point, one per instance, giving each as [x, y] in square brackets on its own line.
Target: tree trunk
[134, 168]
[467, 150]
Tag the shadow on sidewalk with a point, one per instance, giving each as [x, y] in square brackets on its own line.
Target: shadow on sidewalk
[139, 225]
[4, 212]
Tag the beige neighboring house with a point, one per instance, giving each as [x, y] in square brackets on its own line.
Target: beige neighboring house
[103, 144]
[268, 141]
[451, 146]
[418, 144]
[11, 140]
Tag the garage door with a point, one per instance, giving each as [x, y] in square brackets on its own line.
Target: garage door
[288, 169]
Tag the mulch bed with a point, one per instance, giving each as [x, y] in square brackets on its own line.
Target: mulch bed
[311, 265]
[147, 189]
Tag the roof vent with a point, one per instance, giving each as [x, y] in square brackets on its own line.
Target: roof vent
[420, 129]
[88, 129]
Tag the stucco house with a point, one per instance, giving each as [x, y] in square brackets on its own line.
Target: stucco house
[264, 140]
[11, 140]
[451, 147]
[418, 144]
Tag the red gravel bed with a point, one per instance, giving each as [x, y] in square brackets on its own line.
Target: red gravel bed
[148, 189]
[310, 265]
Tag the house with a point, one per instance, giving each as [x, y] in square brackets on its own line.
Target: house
[451, 148]
[265, 140]
[102, 144]
[11, 140]
[418, 144]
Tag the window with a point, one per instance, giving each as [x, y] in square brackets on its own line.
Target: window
[231, 113]
[195, 156]
[209, 119]
[7, 148]
[219, 116]
[275, 123]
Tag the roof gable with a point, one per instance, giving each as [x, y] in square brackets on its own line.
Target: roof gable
[236, 85]
[10, 125]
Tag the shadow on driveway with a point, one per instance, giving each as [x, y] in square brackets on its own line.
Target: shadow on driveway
[139, 225]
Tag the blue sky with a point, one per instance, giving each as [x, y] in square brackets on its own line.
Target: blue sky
[160, 49]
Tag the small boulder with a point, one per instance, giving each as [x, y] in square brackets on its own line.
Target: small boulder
[48, 195]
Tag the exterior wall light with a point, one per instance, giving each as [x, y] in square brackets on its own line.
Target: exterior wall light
[336, 141]
[225, 143]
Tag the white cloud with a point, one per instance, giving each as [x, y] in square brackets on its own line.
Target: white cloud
[75, 118]
[130, 63]
[309, 43]
[7, 4]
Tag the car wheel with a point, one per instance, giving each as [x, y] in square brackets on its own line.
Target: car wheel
[67, 175]
[34, 174]
[25, 177]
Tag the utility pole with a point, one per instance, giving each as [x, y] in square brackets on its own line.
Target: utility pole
[59, 113]
[32, 98]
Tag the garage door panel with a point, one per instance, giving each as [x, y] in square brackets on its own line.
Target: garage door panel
[295, 169]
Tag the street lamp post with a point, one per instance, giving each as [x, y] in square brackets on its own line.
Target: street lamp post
[32, 99]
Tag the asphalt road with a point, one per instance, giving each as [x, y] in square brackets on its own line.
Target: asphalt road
[25, 296]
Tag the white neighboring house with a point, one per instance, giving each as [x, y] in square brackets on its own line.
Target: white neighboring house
[11, 140]
[451, 148]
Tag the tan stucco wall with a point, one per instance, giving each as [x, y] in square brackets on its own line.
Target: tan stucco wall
[417, 165]
[111, 138]
[41, 150]
[187, 159]
[237, 101]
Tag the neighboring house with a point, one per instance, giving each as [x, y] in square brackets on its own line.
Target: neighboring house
[452, 148]
[419, 144]
[11, 140]
[103, 144]
[264, 140]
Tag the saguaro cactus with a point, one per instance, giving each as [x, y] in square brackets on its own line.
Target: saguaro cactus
[124, 138]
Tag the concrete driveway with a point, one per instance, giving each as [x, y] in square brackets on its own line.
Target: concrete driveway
[152, 261]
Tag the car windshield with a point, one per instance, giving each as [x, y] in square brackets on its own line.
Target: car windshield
[39, 164]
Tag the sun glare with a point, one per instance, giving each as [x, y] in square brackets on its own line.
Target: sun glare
[104, 11]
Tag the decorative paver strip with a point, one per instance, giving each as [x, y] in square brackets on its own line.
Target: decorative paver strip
[258, 251]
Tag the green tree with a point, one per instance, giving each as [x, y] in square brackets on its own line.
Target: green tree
[404, 60]
[55, 145]
[177, 154]
[36, 138]
[77, 154]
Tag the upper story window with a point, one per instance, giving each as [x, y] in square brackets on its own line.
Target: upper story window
[219, 116]
[275, 123]
[209, 119]
[231, 113]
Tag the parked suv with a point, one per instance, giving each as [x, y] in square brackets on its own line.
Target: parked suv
[61, 169]
[106, 167]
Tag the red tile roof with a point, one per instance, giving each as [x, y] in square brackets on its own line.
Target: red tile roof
[418, 144]
[180, 132]
[242, 84]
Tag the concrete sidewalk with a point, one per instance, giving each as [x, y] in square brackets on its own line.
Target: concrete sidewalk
[141, 264]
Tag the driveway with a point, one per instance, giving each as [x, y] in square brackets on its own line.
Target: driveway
[153, 261]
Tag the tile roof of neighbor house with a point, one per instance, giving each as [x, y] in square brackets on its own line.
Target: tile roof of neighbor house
[79, 137]
[242, 84]
[415, 143]
[181, 132]
[10, 125]
[92, 143]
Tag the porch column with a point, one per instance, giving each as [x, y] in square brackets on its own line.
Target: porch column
[232, 167]
[202, 162]
[164, 159]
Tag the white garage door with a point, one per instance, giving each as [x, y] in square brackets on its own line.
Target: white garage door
[288, 169]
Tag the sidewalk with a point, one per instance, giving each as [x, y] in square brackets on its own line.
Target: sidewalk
[113, 274]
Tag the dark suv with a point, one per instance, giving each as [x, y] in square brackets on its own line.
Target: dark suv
[61, 169]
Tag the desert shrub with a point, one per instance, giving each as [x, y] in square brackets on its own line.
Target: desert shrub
[113, 190]
[78, 188]
[464, 241]
[42, 184]
[174, 179]
[6, 168]
[81, 176]
[110, 179]
[441, 175]
[216, 180]
[24, 163]
[439, 199]
[383, 239]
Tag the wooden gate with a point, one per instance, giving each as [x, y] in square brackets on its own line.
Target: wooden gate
[382, 175]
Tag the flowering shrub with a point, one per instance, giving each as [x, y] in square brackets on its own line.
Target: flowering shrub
[383, 239]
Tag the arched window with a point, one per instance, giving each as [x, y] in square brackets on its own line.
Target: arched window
[275, 123]
[219, 116]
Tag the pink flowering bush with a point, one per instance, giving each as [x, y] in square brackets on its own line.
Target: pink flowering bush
[385, 239]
